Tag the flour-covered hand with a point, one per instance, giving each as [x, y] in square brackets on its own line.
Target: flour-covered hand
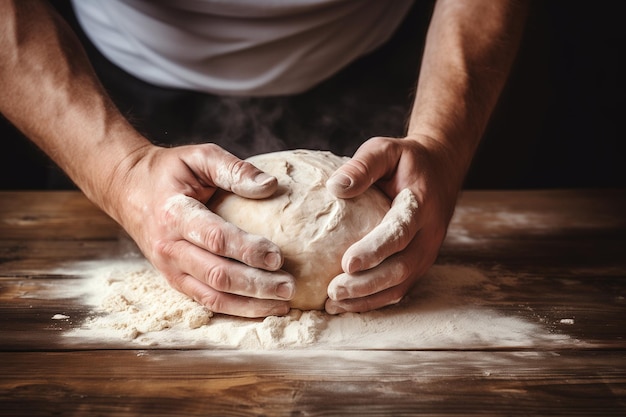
[415, 173]
[219, 265]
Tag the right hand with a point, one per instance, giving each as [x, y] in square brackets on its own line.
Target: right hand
[160, 201]
[423, 179]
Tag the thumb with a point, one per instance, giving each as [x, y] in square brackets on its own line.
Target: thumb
[244, 179]
[367, 166]
[230, 173]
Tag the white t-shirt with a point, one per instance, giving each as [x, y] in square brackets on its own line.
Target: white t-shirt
[238, 47]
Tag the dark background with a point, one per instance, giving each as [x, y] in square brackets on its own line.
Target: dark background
[557, 124]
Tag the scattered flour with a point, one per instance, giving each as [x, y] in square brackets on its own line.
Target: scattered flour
[132, 302]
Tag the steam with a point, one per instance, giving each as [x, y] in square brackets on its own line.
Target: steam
[251, 126]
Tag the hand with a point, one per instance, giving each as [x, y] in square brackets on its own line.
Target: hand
[418, 173]
[162, 206]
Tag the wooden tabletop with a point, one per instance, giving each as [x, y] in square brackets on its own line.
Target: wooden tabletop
[566, 248]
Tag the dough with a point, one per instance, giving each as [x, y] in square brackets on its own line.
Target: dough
[311, 226]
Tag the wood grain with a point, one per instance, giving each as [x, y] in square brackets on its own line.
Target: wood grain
[314, 383]
[553, 254]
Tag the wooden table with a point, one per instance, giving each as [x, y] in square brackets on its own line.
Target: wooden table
[569, 247]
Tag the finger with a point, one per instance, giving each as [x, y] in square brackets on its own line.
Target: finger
[226, 275]
[360, 305]
[223, 169]
[388, 274]
[225, 303]
[393, 234]
[209, 231]
[363, 169]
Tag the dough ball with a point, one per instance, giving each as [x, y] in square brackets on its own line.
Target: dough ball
[311, 226]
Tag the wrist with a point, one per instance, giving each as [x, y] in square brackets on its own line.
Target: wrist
[107, 169]
[454, 160]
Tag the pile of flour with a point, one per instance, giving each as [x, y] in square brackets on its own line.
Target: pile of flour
[131, 302]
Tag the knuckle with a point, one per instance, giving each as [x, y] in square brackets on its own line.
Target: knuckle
[212, 147]
[237, 169]
[383, 145]
[380, 142]
[211, 300]
[164, 248]
[252, 254]
[401, 269]
[218, 278]
[360, 167]
[175, 281]
[247, 257]
[215, 240]
[207, 150]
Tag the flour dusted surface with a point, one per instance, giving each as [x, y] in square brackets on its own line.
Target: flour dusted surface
[132, 303]
[132, 299]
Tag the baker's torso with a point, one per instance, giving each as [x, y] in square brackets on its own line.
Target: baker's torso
[238, 47]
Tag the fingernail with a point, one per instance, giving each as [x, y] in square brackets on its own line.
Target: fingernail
[338, 293]
[263, 178]
[273, 260]
[340, 180]
[333, 309]
[285, 290]
[354, 265]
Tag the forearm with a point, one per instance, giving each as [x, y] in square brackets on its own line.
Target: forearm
[51, 93]
[469, 50]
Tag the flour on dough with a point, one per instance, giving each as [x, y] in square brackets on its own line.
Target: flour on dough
[312, 227]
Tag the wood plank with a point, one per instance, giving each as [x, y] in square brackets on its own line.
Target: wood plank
[160, 383]
[53, 215]
[560, 209]
[40, 257]
[567, 228]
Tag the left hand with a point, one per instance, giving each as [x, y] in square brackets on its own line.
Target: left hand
[380, 268]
